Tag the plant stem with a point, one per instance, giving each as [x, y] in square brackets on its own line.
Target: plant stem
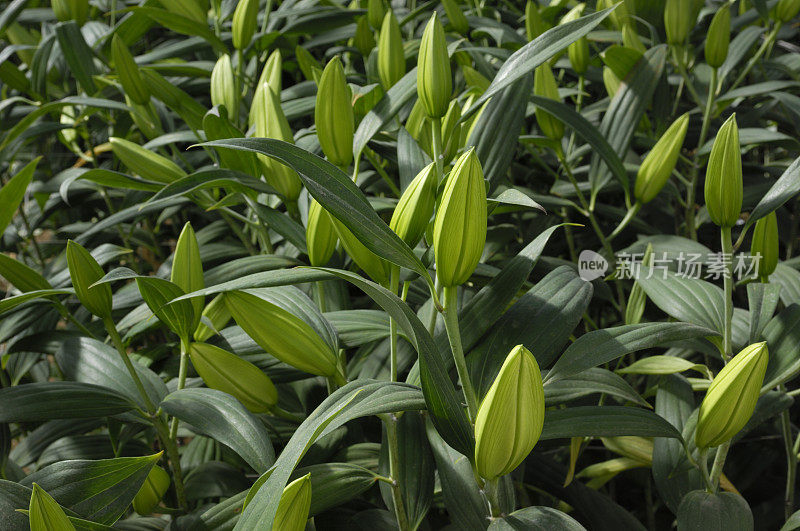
[173, 432]
[719, 462]
[372, 157]
[436, 147]
[627, 219]
[791, 463]
[394, 284]
[691, 190]
[767, 44]
[491, 488]
[727, 256]
[394, 468]
[676, 56]
[117, 340]
[454, 335]
[704, 471]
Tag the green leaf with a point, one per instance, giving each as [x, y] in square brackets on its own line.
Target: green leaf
[85, 271]
[625, 112]
[724, 510]
[536, 52]
[662, 365]
[219, 415]
[232, 181]
[786, 187]
[601, 346]
[536, 518]
[13, 191]
[187, 270]
[13, 497]
[605, 421]
[158, 293]
[334, 190]
[183, 25]
[45, 513]
[688, 299]
[10, 303]
[762, 302]
[280, 223]
[100, 491]
[356, 399]
[335, 484]
[60, 400]
[78, 55]
[391, 103]
[782, 334]
[591, 381]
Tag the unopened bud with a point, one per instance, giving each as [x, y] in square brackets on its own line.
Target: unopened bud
[658, 165]
[373, 265]
[217, 314]
[765, 243]
[724, 188]
[415, 207]
[578, 51]
[333, 115]
[363, 39]
[534, 24]
[544, 85]
[786, 10]
[294, 505]
[434, 79]
[719, 37]
[677, 20]
[245, 19]
[391, 57]
[223, 87]
[320, 235]
[375, 12]
[270, 122]
[66, 10]
[459, 231]
[456, 16]
[731, 398]
[511, 416]
[153, 489]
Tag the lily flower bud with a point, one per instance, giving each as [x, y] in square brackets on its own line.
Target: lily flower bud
[765, 243]
[320, 235]
[66, 10]
[244, 23]
[630, 39]
[786, 10]
[333, 115]
[281, 333]
[128, 72]
[511, 416]
[363, 39]
[270, 122]
[459, 231]
[227, 372]
[217, 314]
[391, 57]
[657, 166]
[434, 79]
[534, 24]
[732, 396]
[375, 12]
[451, 131]
[153, 489]
[677, 20]
[724, 188]
[85, 271]
[544, 85]
[223, 87]
[373, 265]
[415, 207]
[187, 269]
[719, 37]
[271, 76]
[294, 505]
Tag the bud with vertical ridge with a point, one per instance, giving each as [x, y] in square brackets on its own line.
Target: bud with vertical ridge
[320, 235]
[270, 122]
[244, 23]
[544, 85]
[578, 51]
[677, 20]
[151, 492]
[294, 506]
[724, 188]
[434, 79]
[657, 166]
[415, 207]
[765, 242]
[718, 37]
[333, 115]
[456, 16]
[391, 57]
[223, 87]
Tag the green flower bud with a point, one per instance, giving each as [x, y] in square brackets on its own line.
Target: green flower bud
[391, 57]
[610, 81]
[723, 189]
[44, 512]
[308, 65]
[638, 297]
[630, 39]
[66, 10]
[657, 166]
[227, 372]
[294, 506]
[765, 242]
[419, 127]
[223, 87]
[718, 37]
[144, 162]
[153, 489]
[333, 115]
[618, 17]
[320, 235]
[456, 16]
[128, 72]
[415, 207]
[732, 396]
[363, 39]
[510, 417]
[217, 314]
[677, 20]
[282, 334]
[434, 79]
[244, 23]
[786, 10]
[578, 51]
[375, 12]
[632, 447]
[534, 24]
[187, 269]
[271, 76]
[544, 85]
[270, 122]
[85, 271]
[373, 265]
[459, 231]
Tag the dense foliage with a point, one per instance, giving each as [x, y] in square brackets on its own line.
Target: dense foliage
[399, 264]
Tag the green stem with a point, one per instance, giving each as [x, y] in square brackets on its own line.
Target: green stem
[394, 284]
[322, 301]
[174, 459]
[727, 252]
[791, 464]
[703, 464]
[436, 147]
[372, 157]
[627, 219]
[492, 488]
[117, 341]
[394, 468]
[676, 56]
[68, 316]
[173, 431]
[767, 44]
[719, 462]
[691, 191]
[454, 335]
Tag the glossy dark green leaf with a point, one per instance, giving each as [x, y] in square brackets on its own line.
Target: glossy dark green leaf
[786, 187]
[60, 400]
[78, 55]
[224, 418]
[688, 299]
[762, 302]
[723, 511]
[13, 191]
[536, 518]
[391, 103]
[782, 334]
[605, 421]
